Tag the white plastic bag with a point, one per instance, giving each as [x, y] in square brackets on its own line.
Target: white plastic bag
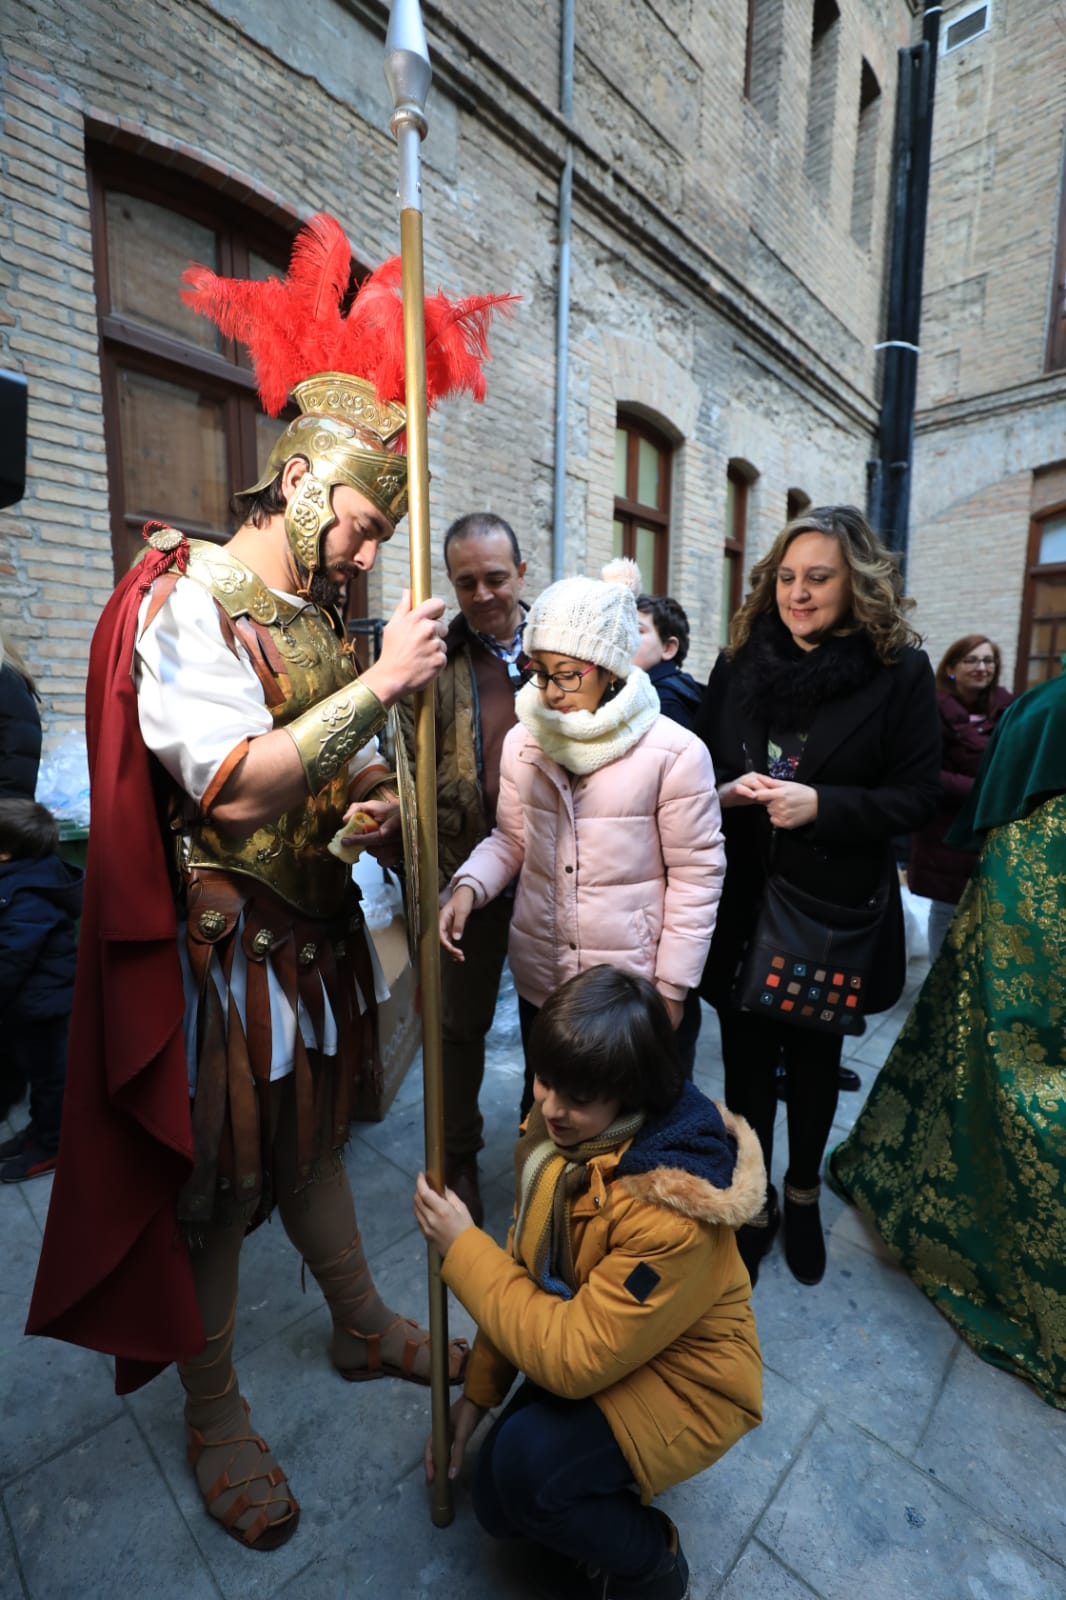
[915, 923]
[63, 781]
[382, 899]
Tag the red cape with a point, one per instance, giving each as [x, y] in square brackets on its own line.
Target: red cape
[114, 1272]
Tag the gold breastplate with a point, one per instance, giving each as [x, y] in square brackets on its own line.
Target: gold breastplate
[301, 651]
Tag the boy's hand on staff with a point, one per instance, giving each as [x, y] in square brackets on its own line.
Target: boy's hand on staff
[453, 920]
[465, 1416]
[442, 1217]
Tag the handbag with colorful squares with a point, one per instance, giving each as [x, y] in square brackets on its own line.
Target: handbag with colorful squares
[809, 962]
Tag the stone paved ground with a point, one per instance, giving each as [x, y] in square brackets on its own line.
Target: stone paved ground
[892, 1463]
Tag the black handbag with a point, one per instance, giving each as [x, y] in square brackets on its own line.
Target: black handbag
[810, 962]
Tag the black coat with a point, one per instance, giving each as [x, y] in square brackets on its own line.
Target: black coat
[874, 758]
[40, 902]
[937, 869]
[679, 693]
[20, 735]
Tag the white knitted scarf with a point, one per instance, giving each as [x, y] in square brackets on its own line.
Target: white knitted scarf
[584, 741]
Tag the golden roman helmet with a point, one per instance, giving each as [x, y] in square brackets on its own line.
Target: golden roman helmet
[344, 431]
[337, 351]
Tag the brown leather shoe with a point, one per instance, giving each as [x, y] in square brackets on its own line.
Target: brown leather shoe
[461, 1175]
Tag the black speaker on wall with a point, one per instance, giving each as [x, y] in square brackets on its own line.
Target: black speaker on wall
[12, 438]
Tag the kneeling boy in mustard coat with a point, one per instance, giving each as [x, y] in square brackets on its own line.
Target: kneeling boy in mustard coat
[621, 1295]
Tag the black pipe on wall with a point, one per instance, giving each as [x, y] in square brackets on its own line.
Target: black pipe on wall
[889, 473]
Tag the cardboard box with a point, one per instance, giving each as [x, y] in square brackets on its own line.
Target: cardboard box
[399, 1025]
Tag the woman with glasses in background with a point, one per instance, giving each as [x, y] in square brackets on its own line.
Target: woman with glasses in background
[971, 702]
[607, 814]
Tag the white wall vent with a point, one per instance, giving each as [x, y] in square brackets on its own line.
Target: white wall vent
[968, 26]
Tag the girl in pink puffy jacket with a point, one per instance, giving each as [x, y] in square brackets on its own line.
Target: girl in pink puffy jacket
[607, 814]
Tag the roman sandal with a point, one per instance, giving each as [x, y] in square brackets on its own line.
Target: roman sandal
[243, 1484]
[370, 1340]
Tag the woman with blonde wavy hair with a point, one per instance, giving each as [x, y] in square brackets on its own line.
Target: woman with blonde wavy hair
[822, 724]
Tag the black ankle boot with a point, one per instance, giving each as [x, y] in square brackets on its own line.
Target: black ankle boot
[755, 1237]
[804, 1240]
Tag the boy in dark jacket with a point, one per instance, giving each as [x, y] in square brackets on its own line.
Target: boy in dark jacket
[663, 647]
[40, 899]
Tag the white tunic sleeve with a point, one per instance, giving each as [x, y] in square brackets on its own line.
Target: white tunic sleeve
[196, 700]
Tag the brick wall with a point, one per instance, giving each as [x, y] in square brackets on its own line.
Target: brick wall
[990, 417]
[712, 285]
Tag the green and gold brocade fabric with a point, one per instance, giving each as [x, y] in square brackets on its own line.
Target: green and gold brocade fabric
[959, 1155]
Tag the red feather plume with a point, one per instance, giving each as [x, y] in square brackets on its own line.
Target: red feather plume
[294, 327]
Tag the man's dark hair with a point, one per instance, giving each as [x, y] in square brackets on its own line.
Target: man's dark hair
[28, 831]
[259, 508]
[606, 1035]
[669, 619]
[480, 525]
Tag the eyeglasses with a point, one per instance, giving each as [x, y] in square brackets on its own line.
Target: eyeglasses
[978, 661]
[562, 680]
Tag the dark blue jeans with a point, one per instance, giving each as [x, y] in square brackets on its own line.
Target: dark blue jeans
[39, 1052]
[550, 1471]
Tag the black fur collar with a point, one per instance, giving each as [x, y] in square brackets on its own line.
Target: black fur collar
[782, 686]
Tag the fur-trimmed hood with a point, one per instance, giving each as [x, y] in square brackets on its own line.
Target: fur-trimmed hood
[698, 1159]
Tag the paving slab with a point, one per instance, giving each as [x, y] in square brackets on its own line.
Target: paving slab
[992, 1440]
[98, 1520]
[35, 1195]
[391, 1548]
[854, 1518]
[738, 1488]
[51, 1395]
[852, 1226]
[864, 1341]
[10, 1581]
[760, 1574]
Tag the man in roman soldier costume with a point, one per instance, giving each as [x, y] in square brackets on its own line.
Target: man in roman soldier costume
[226, 990]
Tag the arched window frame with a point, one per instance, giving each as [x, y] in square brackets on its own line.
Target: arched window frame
[633, 516]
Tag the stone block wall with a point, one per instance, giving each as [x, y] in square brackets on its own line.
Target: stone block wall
[991, 420]
[713, 287]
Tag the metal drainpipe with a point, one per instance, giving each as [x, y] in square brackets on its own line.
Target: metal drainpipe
[562, 324]
[889, 478]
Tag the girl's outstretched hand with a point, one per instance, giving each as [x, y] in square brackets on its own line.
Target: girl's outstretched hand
[465, 1418]
[442, 1218]
[453, 920]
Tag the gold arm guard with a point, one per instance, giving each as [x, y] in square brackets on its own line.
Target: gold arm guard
[330, 733]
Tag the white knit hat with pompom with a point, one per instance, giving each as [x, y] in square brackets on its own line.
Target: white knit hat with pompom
[589, 619]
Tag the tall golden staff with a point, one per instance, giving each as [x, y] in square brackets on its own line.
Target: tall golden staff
[408, 72]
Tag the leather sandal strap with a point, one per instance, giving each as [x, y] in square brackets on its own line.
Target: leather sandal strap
[373, 1350]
